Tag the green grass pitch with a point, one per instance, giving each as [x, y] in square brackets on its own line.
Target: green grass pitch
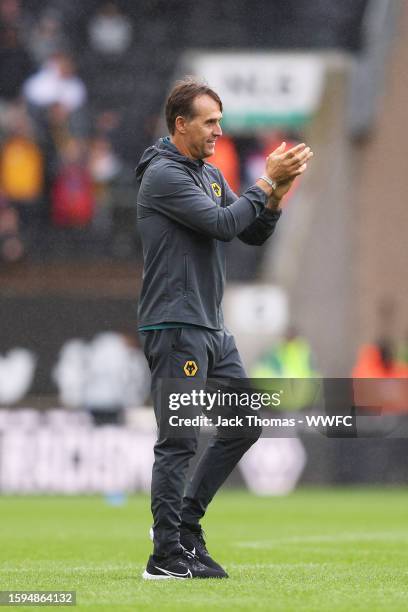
[325, 549]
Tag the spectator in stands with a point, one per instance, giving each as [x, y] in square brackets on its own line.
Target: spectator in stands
[22, 168]
[59, 126]
[104, 164]
[386, 390]
[15, 63]
[110, 31]
[72, 198]
[12, 16]
[109, 124]
[378, 361]
[47, 37]
[291, 357]
[114, 219]
[105, 169]
[105, 376]
[56, 82]
[112, 365]
[226, 159]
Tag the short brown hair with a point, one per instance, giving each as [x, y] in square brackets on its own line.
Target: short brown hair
[181, 100]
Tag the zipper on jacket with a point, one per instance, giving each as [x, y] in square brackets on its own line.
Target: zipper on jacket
[185, 275]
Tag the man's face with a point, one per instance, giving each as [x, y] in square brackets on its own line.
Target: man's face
[202, 131]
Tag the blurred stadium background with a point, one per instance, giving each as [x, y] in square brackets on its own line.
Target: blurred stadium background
[82, 89]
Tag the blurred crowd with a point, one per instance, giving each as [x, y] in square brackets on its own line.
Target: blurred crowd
[103, 376]
[59, 169]
[108, 374]
[376, 363]
[66, 182]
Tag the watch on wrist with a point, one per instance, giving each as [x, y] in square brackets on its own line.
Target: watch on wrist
[270, 182]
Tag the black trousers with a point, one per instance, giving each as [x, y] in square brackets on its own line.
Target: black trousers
[215, 355]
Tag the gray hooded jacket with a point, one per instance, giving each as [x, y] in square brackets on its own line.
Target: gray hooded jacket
[186, 212]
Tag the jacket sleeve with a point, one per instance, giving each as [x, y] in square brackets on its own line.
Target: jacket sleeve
[171, 191]
[261, 228]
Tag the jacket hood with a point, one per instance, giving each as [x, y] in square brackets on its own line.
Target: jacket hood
[163, 148]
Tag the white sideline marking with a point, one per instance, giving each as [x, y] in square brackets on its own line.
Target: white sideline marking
[42, 566]
[348, 537]
[256, 566]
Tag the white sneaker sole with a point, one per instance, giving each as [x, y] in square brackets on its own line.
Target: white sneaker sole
[147, 576]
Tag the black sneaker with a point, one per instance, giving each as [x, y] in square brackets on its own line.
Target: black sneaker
[182, 566]
[193, 541]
